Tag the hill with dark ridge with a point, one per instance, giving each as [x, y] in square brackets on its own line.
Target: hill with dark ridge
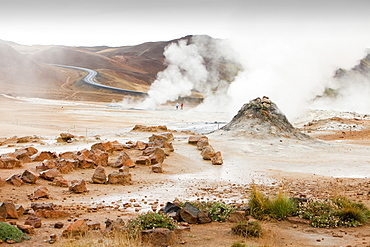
[261, 118]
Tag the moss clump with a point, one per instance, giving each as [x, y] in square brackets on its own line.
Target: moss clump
[247, 229]
[9, 232]
[219, 211]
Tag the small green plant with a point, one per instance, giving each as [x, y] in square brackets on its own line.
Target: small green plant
[219, 211]
[238, 244]
[339, 211]
[152, 220]
[247, 229]
[264, 208]
[9, 232]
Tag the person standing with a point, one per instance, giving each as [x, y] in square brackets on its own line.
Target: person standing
[177, 106]
[182, 106]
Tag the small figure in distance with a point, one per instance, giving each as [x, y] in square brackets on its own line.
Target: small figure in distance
[177, 106]
[182, 106]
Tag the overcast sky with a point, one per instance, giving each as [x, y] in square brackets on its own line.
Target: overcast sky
[120, 22]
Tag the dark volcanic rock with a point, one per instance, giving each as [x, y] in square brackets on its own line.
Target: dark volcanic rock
[261, 118]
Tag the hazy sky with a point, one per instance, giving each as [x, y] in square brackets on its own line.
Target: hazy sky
[121, 22]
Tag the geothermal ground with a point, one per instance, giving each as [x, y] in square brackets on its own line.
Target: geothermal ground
[335, 162]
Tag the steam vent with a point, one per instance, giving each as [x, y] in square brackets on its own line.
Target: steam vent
[261, 118]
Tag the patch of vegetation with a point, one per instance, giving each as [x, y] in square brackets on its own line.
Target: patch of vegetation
[247, 229]
[152, 220]
[219, 211]
[339, 211]
[238, 244]
[9, 232]
[264, 208]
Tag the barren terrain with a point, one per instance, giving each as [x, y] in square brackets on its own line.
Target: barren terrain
[335, 162]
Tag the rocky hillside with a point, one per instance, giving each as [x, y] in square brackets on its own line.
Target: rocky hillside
[21, 73]
[261, 118]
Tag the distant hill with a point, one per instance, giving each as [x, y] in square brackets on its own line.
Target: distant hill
[128, 67]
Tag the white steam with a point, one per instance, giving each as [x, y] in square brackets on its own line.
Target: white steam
[193, 66]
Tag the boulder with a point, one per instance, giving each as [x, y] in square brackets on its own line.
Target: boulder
[103, 146]
[42, 206]
[9, 162]
[58, 225]
[217, 159]
[66, 166]
[50, 174]
[157, 168]
[117, 146]
[140, 145]
[78, 186]
[204, 217]
[123, 160]
[8, 210]
[195, 138]
[77, 228]
[101, 158]
[189, 213]
[68, 155]
[202, 142]
[158, 156]
[59, 181]
[143, 160]
[66, 137]
[86, 159]
[208, 152]
[29, 177]
[20, 209]
[41, 192]
[15, 180]
[46, 165]
[44, 155]
[144, 128]
[160, 237]
[33, 221]
[29, 151]
[123, 178]
[172, 210]
[99, 176]
[168, 136]
[26, 228]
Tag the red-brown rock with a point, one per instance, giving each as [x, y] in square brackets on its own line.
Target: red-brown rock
[158, 156]
[44, 155]
[103, 146]
[9, 162]
[99, 176]
[159, 237]
[123, 178]
[217, 159]
[41, 192]
[78, 186]
[208, 152]
[195, 138]
[46, 165]
[78, 228]
[123, 160]
[68, 155]
[8, 210]
[59, 181]
[33, 221]
[202, 142]
[26, 228]
[140, 145]
[29, 177]
[66, 166]
[50, 174]
[15, 180]
[157, 168]
[143, 160]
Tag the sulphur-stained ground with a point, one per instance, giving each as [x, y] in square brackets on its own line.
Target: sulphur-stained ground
[335, 162]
